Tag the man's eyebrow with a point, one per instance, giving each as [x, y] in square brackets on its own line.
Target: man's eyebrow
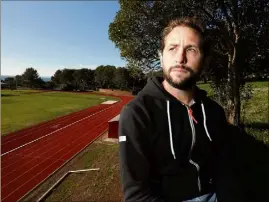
[188, 46]
[192, 46]
[172, 44]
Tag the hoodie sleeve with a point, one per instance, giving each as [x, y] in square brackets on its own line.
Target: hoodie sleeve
[134, 163]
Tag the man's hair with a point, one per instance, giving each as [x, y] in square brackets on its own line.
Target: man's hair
[191, 22]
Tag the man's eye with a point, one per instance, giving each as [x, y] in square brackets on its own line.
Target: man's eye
[173, 48]
[191, 50]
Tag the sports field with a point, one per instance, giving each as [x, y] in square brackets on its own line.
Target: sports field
[24, 108]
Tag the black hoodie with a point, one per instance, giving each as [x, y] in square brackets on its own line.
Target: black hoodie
[168, 153]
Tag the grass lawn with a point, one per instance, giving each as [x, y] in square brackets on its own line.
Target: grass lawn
[255, 111]
[256, 115]
[102, 185]
[24, 108]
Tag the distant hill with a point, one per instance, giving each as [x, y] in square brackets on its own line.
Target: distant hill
[44, 78]
[3, 77]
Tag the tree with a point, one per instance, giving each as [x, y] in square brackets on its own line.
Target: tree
[234, 27]
[104, 76]
[30, 77]
[40, 83]
[121, 78]
[83, 77]
[78, 75]
[67, 77]
[56, 78]
[74, 79]
[137, 77]
[18, 80]
[50, 85]
[89, 76]
[10, 81]
[64, 79]
[158, 73]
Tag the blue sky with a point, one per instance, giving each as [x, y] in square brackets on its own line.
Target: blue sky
[49, 35]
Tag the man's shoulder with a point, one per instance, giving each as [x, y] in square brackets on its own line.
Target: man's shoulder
[135, 111]
[208, 101]
[212, 104]
[140, 101]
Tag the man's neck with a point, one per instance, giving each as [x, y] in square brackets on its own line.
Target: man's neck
[184, 96]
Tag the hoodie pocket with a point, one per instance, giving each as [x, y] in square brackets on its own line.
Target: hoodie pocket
[181, 185]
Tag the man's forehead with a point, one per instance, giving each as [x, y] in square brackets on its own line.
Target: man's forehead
[185, 35]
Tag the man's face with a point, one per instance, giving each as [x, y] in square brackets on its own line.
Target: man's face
[182, 57]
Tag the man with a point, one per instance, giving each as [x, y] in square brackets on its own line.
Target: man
[170, 135]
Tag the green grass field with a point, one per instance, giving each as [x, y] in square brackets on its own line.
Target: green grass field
[255, 111]
[256, 115]
[24, 108]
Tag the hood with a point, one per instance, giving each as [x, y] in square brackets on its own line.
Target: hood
[155, 88]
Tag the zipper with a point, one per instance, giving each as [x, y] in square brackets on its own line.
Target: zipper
[193, 132]
[192, 144]
[198, 169]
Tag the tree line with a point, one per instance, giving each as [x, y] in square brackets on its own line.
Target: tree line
[104, 76]
[30, 79]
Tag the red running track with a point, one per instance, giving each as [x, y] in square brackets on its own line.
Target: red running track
[48, 146]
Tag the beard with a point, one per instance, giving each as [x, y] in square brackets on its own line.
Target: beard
[186, 83]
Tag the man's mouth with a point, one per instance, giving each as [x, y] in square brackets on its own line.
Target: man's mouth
[179, 69]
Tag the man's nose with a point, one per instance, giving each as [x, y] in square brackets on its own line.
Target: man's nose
[181, 56]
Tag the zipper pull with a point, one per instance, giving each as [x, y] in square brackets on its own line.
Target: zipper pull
[191, 114]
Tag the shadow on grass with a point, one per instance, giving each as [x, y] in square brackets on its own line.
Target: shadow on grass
[258, 126]
[243, 172]
[8, 95]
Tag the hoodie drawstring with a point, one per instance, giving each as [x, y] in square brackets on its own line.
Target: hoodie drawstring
[204, 115]
[170, 129]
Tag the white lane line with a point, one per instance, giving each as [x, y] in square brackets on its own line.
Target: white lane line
[51, 144]
[81, 138]
[75, 142]
[42, 126]
[61, 166]
[56, 131]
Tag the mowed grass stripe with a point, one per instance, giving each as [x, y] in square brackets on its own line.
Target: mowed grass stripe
[21, 109]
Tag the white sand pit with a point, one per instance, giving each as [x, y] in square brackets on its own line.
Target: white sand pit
[109, 102]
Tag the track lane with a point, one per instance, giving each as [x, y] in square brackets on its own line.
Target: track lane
[24, 136]
[45, 142]
[13, 188]
[49, 143]
[17, 167]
